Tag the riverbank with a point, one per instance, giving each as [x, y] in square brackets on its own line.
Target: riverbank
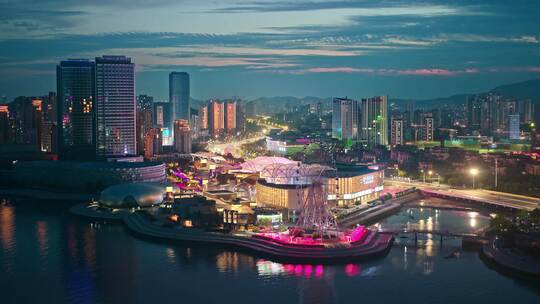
[494, 252]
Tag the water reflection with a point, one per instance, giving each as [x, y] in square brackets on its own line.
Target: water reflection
[64, 260]
[7, 227]
[42, 238]
[269, 268]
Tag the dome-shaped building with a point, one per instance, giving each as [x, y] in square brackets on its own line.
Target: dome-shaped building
[132, 195]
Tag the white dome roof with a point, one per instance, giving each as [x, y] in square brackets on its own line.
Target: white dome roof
[132, 195]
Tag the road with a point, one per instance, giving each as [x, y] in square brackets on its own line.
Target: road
[509, 200]
[233, 147]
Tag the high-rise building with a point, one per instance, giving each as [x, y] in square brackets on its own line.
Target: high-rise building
[488, 113]
[162, 117]
[216, 117]
[203, 117]
[75, 85]
[145, 105]
[4, 124]
[429, 128]
[375, 121]
[194, 123]
[447, 119]
[144, 124]
[526, 110]
[115, 107]
[25, 114]
[240, 117]
[345, 119]
[153, 143]
[319, 109]
[182, 136]
[230, 116]
[145, 102]
[179, 94]
[49, 132]
[396, 137]
[251, 109]
[513, 126]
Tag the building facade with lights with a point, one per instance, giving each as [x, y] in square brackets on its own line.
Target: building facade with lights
[115, 107]
[349, 185]
[75, 84]
[375, 121]
[345, 119]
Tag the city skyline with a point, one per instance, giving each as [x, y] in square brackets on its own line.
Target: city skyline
[406, 49]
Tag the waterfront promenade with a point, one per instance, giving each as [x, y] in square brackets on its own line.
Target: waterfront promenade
[495, 252]
[373, 243]
[372, 214]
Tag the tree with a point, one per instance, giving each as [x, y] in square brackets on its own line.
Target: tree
[501, 224]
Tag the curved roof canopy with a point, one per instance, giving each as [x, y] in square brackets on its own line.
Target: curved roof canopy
[132, 195]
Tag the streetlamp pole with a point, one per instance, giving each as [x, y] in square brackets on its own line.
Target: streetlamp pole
[473, 172]
[496, 172]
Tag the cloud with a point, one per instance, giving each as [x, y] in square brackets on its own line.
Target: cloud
[383, 72]
[465, 37]
[357, 8]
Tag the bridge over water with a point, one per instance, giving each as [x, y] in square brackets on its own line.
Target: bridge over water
[475, 196]
[477, 234]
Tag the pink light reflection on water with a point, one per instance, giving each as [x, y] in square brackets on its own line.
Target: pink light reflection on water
[306, 270]
[352, 270]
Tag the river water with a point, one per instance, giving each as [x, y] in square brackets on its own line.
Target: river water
[48, 256]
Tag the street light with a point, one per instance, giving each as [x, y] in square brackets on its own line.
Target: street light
[430, 173]
[474, 173]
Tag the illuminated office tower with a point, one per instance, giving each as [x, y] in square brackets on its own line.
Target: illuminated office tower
[179, 94]
[345, 119]
[75, 83]
[375, 121]
[115, 107]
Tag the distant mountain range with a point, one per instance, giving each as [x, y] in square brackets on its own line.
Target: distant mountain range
[520, 90]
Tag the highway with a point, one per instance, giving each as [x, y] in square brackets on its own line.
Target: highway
[233, 147]
[502, 199]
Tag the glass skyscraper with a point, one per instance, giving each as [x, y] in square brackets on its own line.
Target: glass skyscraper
[75, 112]
[115, 107]
[179, 94]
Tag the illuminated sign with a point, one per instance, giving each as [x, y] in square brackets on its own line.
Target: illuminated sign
[367, 179]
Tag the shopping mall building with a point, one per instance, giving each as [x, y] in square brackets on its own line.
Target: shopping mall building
[284, 184]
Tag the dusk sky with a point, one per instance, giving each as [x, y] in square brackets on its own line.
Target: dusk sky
[410, 49]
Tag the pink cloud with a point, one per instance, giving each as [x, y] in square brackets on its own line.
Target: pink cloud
[427, 72]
